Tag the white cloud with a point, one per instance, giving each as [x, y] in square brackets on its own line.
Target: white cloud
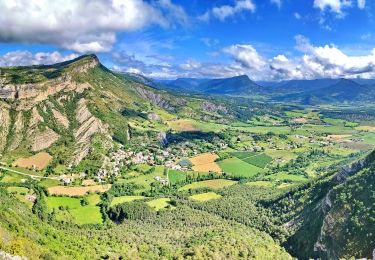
[246, 55]
[335, 6]
[82, 25]
[26, 58]
[278, 3]
[225, 11]
[361, 4]
[191, 64]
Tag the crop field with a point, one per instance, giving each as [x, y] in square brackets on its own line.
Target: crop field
[89, 214]
[124, 199]
[176, 176]
[260, 160]
[89, 182]
[205, 196]
[144, 180]
[12, 177]
[49, 183]
[205, 163]
[183, 125]
[282, 176]
[39, 161]
[213, 184]
[237, 167]
[242, 155]
[158, 204]
[281, 154]
[77, 191]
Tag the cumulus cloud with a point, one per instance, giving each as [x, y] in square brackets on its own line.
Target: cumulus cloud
[335, 6]
[246, 55]
[26, 58]
[225, 11]
[82, 25]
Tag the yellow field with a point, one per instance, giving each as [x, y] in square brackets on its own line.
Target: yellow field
[338, 137]
[213, 184]
[300, 120]
[205, 196]
[182, 125]
[88, 183]
[205, 163]
[38, 161]
[77, 191]
[366, 128]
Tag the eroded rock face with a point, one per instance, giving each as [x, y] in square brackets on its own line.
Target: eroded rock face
[89, 125]
[17, 131]
[43, 140]
[4, 127]
[213, 108]
[60, 118]
[155, 98]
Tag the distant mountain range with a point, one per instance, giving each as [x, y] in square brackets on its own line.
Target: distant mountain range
[305, 92]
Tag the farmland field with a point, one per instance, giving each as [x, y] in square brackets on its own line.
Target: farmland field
[205, 163]
[77, 191]
[124, 199]
[260, 160]
[39, 161]
[237, 167]
[89, 214]
[176, 176]
[158, 204]
[242, 155]
[205, 196]
[213, 184]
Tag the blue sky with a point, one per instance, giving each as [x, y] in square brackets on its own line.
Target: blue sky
[265, 39]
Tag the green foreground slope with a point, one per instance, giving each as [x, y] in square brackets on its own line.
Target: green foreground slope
[181, 233]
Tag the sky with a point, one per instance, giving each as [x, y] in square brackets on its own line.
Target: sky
[268, 40]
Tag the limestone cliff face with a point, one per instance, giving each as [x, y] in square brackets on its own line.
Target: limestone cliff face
[34, 93]
[4, 127]
[88, 126]
[35, 121]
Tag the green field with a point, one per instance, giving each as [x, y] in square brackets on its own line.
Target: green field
[237, 167]
[158, 204]
[282, 176]
[176, 176]
[213, 184]
[12, 177]
[124, 199]
[71, 207]
[260, 160]
[242, 155]
[144, 180]
[205, 196]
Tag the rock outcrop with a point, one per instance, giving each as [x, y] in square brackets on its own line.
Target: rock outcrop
[89, 125]
[4, 127]
[43, 140]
